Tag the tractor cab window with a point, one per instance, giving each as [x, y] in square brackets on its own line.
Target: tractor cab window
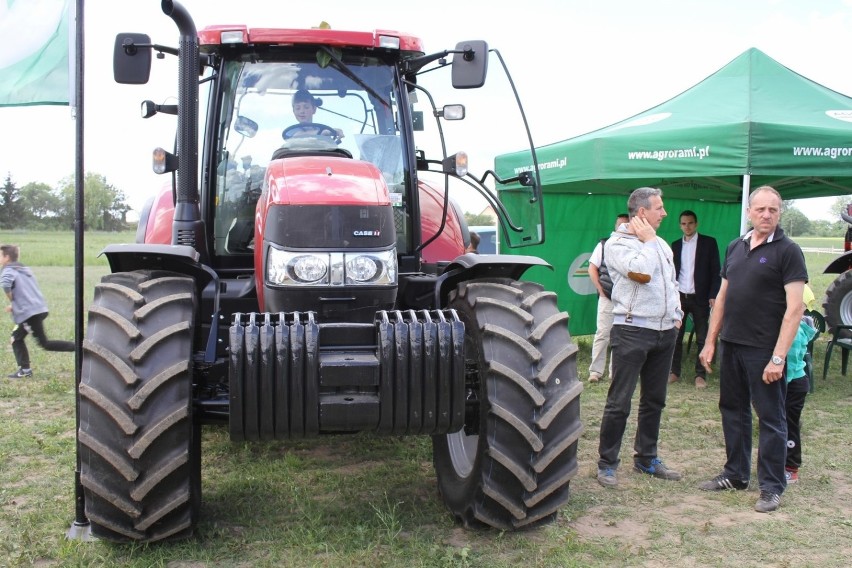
[276, 110]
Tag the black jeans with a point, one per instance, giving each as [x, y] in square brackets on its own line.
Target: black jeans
[700, 311]
[644, 356]
[741, 386]
[797, 390]
[34, 325]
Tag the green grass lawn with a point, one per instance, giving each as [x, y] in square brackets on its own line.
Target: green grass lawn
[821, 242]
[353, 501]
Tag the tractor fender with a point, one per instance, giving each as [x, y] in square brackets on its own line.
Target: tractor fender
[156, 218]
[182, 259]
[840, 264]
[471, 266]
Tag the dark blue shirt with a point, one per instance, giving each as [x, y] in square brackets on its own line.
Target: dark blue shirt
[755, 301]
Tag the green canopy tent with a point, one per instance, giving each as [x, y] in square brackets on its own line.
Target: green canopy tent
[754, 122]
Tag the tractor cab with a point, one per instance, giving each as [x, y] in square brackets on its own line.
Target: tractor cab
[353, 116]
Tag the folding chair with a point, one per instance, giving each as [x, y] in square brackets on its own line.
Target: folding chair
[841, 338]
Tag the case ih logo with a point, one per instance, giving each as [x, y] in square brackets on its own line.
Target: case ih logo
[366, 233]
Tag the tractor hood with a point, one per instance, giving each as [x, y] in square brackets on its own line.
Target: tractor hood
[315, 180]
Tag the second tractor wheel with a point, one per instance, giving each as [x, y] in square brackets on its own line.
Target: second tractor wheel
[511, 465]
[838, 301]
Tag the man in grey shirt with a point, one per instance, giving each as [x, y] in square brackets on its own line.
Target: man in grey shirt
[646, 318]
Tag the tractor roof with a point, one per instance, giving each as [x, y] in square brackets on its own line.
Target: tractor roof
[241, 34]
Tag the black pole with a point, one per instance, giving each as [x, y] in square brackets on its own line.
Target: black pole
[80, 528]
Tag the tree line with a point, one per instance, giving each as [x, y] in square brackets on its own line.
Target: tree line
[38, 206]
[797, 224]
[793, 221]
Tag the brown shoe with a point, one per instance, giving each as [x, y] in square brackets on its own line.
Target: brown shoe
[673, 378]
[594, 377]
[700, 383]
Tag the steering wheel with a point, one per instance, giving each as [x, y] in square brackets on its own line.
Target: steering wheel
[310, 128]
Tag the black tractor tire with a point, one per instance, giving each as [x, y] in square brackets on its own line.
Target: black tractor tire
[837, 304]
[511, 465]
[139, 444]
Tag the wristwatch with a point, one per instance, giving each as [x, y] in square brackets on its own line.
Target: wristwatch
[776, 360]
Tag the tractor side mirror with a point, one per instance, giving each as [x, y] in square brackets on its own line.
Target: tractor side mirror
[470, 64]
[131, 59]
[245, 126]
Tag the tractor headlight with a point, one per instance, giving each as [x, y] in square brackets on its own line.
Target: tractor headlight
[361, 268]
[371, 268]
[285, 268]
[309, 268]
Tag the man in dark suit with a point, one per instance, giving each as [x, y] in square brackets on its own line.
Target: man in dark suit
[696, 259]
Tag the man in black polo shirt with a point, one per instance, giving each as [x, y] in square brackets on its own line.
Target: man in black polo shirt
[756, 316]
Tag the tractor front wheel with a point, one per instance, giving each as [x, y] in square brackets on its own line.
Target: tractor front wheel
[139, 446]
[511, 465]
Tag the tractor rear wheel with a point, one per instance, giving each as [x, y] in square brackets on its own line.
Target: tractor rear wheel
[511, 465]
[838, 301]
[139, 445]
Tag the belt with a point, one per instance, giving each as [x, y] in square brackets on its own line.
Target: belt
[687, 295]
[622, 319]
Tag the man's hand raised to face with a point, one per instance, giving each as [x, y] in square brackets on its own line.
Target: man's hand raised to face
[642, 229]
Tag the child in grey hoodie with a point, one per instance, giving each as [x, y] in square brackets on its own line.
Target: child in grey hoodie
[28, 309]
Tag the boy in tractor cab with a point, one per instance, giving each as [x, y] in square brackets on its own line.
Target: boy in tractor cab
[304, 108]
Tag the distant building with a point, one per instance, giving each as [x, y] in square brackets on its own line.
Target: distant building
[488, 212]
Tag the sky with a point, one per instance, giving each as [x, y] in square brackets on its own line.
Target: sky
[578, 66]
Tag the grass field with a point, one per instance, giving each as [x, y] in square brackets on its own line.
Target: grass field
[821, 242]
[353, 501]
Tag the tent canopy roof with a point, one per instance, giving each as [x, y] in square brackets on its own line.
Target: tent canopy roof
[752, 117]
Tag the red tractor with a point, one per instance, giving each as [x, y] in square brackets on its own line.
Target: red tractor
[301, 279]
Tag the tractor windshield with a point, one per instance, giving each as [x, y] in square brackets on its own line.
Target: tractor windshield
[270, 109]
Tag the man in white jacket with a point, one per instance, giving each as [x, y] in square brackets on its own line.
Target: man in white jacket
[646, 318]
[599, 275]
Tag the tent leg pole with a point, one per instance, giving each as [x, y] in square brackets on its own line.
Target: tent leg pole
[743, 217]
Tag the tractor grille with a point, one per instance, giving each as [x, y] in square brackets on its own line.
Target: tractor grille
[336, 226]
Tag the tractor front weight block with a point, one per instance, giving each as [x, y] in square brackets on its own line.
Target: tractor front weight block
[292, 377]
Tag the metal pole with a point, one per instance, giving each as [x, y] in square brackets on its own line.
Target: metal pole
[744, 204]
[80, 528]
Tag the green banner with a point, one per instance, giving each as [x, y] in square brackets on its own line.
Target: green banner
[574, 225]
